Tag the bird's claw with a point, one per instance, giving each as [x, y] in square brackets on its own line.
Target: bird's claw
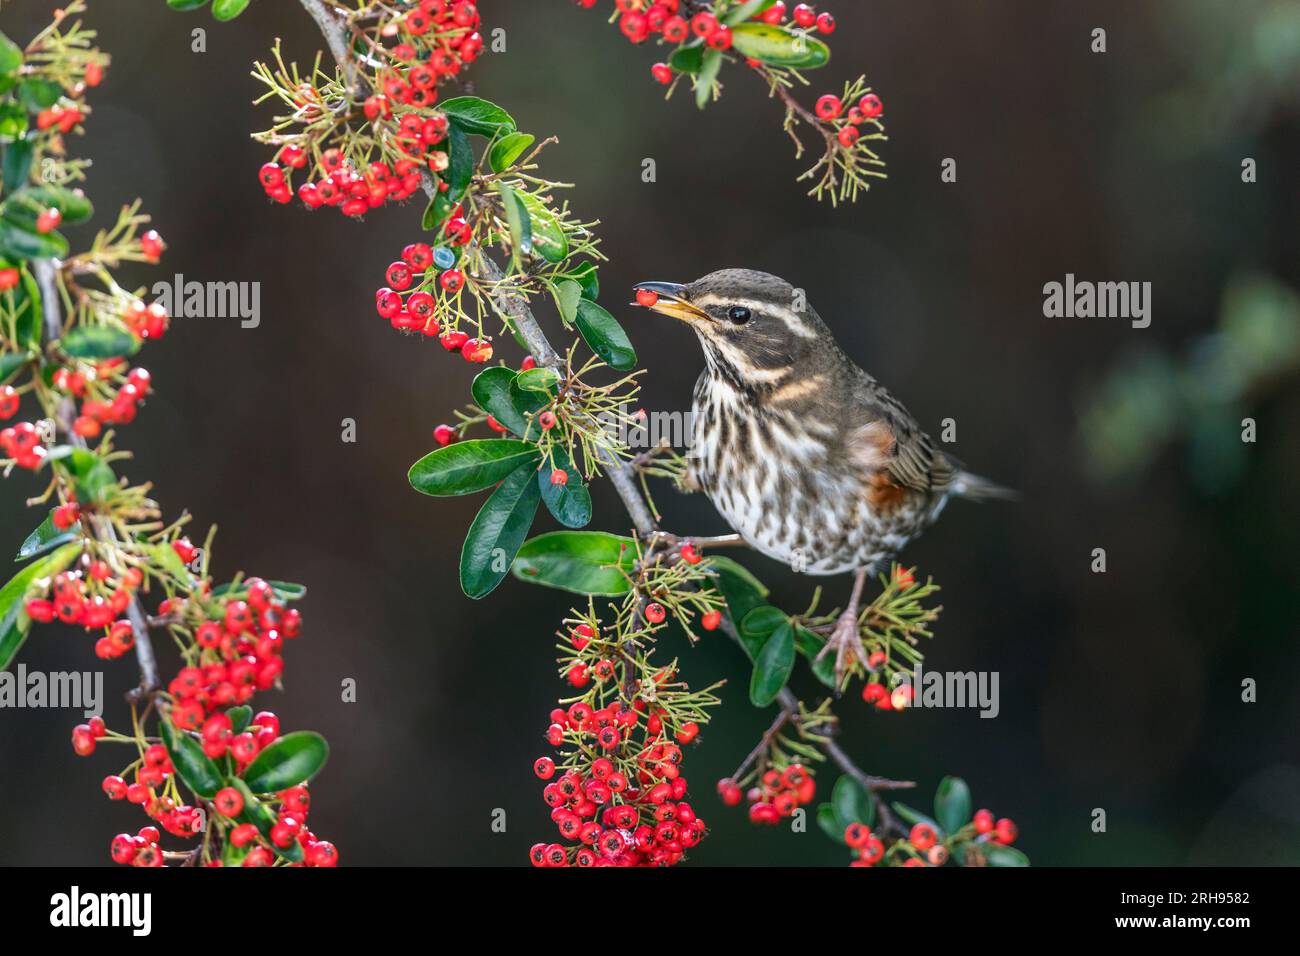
[847, 644]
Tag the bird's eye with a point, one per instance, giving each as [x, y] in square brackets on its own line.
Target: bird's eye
[738, 314]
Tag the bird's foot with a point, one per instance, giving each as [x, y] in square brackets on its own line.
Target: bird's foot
[844, 639]
[846, 643]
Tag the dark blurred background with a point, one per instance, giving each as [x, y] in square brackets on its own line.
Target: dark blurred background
[1119, 690]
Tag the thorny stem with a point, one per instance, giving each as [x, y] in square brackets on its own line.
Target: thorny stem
[622, 475]
[44, 270]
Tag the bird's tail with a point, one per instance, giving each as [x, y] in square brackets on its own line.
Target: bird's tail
[975, 488]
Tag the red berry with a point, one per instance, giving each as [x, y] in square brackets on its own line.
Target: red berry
[870, 106]
[559, 477]
[983, 821]
[825, 23]
[848, 135]
[923, 836]
[711, 620]
[690, 555]
[719, 39]
[229, 802]
[1006, 831]
[646, 298]
[662, 72]
[655, 613]
[702, 24]
[444, 435]
[829, 106]
[48, 220]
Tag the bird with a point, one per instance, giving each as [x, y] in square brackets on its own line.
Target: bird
[810, 460]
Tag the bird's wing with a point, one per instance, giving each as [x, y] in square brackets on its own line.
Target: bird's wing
[897, 454]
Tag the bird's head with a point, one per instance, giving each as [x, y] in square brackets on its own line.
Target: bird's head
[756, 328]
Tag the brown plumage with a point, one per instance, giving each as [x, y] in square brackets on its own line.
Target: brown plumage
[810, 459]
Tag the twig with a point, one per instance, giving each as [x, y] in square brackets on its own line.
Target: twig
[335, 33]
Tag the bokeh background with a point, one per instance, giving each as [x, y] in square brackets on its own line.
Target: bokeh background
[1119, 690]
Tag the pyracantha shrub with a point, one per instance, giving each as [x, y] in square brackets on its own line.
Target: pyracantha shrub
[497, 242]
[223, 782]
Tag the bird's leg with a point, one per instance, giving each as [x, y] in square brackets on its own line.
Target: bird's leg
[721, 541]
[844, 638]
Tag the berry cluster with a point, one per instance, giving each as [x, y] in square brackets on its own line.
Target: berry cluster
[94, 600]
[639, 20]
[778, 794]
[432, 283]
[412, 51]
[626, 807]
[830, 109]
[109, 393]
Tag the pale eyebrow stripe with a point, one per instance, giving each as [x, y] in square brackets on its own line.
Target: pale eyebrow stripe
[790, 317]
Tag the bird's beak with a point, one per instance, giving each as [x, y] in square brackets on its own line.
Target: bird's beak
[672, 301]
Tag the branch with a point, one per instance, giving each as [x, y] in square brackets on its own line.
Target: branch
[335, 33]
[103, 529]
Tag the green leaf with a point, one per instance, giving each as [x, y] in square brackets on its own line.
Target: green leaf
[508, 149]
[475, 115]
[952, 804]
[17, 164]
[497, 532]
[11, 362]
[538, 379]
[521, 226]
[852, 803]
[11, 56]
[469, 466]
[39, 94]
[92, 477]
[746, 10]
[193, 766]
[605, 336]
[916, 816]
[264, 818]
[810, 646]
[495, 391]
[567, 294]
[14, 622]
[587, 277]
[292, 759]
[460, 166]
[21, 240]
[228, 9]
[239, 718]
[778, 46]
[996, 855]
[742, 591]
[549, 239]
[570, 503]
[436, 212]
[830, 823]
[772, 666]
[283, 591]
[688, 58]
[27, 301]
[47, 538]
[72, 203]
[762, 621]
[584, 562]
[13, 124]
[707, 77]
[99, 342]
[186, 5]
